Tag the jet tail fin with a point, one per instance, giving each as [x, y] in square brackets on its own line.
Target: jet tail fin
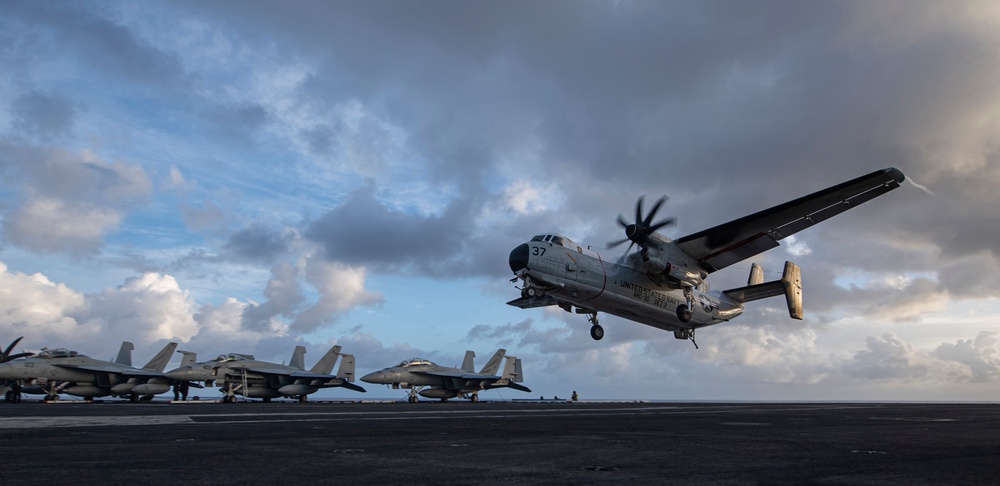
[325, 364]
[790, 285]
[159, 362]
[298, 359]
[493, 365]
[125, 354]
[190, 358]
[346, 370]
[467, 364]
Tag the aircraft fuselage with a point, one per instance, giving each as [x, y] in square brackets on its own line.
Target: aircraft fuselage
[582, 278]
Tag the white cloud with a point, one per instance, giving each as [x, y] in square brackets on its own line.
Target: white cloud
[70, 202]
[341, 288]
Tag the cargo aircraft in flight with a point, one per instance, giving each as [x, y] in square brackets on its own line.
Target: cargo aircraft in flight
[663, 284]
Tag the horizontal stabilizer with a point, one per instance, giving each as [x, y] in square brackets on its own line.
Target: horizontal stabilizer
[519, 387]
[790, 286]
[352, 386]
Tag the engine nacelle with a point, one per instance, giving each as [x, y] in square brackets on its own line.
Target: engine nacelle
[295, 390]
[679, 274]
[438, 393]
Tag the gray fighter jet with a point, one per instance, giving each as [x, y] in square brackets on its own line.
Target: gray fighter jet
[434, 381]
[241, 374]
[61, 370]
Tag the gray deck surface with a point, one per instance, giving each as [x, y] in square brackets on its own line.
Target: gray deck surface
[500, 443]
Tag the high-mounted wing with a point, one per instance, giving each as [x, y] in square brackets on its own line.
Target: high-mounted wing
[737, 240]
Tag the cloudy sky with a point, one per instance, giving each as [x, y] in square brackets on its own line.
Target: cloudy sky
[248, 176]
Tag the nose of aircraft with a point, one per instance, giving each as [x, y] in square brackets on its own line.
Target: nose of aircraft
[519, 258]
[374, 377]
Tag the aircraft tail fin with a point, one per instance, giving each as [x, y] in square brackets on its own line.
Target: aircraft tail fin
[298, 359]
[190, 358]
[325, 364]
[513, 375]
[467, 364]
[159, 362]
[790, 286]
[493, 365]
[125, 354]
[756, 275]
[346, 370]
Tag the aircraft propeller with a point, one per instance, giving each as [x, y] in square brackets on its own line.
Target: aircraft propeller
[639, 231]
[5, 356]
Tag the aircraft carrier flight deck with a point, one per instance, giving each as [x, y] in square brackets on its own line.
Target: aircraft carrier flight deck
[501, 443]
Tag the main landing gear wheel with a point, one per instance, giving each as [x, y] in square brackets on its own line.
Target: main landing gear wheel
[532, 292]
[684, 313]
[596, 332]
[229, 399]
[474, 397]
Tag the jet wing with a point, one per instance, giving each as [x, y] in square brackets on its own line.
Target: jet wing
[737, 240]
[288, 373]
[111, 369]
[458, 381]
[533, 302]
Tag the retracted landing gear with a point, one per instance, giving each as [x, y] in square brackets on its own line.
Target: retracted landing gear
[686, 334]
[596, 331]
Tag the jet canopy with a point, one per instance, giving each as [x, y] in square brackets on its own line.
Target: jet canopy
[414, 362]
[555, 240]
[58, 353]
[225, 358]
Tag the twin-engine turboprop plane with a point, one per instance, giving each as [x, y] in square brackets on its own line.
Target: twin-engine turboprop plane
[434, 381]
[663, 284]
[241, 374]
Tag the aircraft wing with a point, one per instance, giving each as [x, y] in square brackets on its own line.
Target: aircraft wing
[533, 302]
[458, 381]
[737, 240]
[288, 373]
[111, 369]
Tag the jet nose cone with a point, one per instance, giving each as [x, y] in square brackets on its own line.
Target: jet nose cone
[519, 258]
[373, 377]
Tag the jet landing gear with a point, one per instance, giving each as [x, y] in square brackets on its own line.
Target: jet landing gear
[14, 394]
[596, 331]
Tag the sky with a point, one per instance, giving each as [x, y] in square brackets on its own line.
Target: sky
[248, 176]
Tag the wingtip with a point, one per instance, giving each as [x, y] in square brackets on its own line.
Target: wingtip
[896, 174]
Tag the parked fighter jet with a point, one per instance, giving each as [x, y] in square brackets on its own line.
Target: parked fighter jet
[434, 381]
[241, 374]
[60, 370]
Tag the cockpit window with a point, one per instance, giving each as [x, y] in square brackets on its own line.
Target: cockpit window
[415, 362]
[538, 238]
[223, 358]
[59, 353]
[558, 240]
